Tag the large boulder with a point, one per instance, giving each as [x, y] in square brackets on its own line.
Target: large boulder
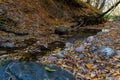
[15, 70]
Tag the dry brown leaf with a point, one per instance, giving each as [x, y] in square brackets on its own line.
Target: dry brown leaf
[118, 65]
[116, 73]
[117, 78]
[89, 66]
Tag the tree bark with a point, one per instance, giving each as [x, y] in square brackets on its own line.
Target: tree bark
[102, 5]
[97, 4]
[115, 5]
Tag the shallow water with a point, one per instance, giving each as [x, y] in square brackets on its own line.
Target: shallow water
[81, 35]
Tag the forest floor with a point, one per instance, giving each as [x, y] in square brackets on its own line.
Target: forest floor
[85, 59]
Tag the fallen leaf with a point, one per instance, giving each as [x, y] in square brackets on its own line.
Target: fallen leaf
[49, 69]
[89, 66]
[118, 65]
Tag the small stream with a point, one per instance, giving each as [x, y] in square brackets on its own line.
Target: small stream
[81, 35]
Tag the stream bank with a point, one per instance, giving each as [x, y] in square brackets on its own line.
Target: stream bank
[91, 58]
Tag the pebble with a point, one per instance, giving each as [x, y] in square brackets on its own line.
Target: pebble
[105, 30]
[90, 39]
[100, 33]
[105, 51]
[81, 56]
[71, 49]
[93, 48]
[118, 52]
[52, 58]
[59, 55]
[68, 44]
[86, 44]
[80, 48]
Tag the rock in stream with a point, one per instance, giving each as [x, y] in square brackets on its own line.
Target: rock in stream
[15, 70]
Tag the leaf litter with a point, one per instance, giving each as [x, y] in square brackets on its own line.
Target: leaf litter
[90, 67]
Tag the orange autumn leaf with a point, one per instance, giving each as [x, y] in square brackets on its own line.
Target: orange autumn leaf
[89, 66]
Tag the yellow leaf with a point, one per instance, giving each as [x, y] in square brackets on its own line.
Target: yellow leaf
[49, 69]
[89, 66]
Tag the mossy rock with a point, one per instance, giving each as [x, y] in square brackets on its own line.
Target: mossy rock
[14, 70]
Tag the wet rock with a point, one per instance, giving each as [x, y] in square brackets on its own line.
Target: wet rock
[105, 51]
[80, 49]
[3, 74]
[118, 52]
[14, 70]
[60, 55]
[90, 39]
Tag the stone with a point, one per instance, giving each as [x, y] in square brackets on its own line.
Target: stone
[90, 39]
[52, 58]
[71, 49]
[80, 48]
[93, 47]
[100, 33]
[15, 70]
[118, 52]
[105, 51]
[86, 44]
[60, 55]
[81, 56]
[68, 44]
[105, 30]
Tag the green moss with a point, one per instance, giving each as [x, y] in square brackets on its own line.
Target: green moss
[115, 18]
[1, 61]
